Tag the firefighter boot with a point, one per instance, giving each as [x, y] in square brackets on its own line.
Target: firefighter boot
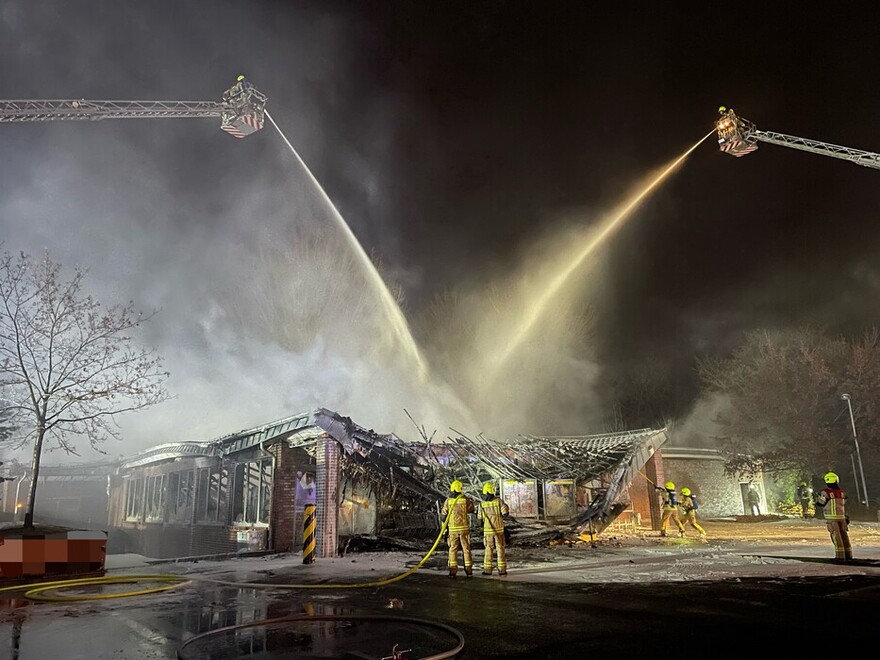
[452, 571]
[485, 572]
[469, 571]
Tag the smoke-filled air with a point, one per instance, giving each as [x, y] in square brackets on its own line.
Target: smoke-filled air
[465, 219]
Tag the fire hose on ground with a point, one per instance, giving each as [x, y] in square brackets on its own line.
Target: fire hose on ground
[308, 618]
[37, 591]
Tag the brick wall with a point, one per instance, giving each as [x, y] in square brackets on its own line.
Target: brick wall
[719, 495]
[163, 541]
[655, 470]
[327, 478]
[643, 498]
[282, 515]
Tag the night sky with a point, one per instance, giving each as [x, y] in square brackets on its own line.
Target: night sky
[455, 138]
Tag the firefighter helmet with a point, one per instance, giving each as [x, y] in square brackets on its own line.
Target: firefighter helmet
[240, 77]
[722, 110]
[456, 486]
[488, 488]
[670, 485]
[685, 491]
[831, 478]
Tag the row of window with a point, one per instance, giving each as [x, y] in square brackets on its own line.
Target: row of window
[243, 491]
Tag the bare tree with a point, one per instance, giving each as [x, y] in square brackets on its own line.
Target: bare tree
[784, 392]
[67, 365]
[7, 426]
[643, 394]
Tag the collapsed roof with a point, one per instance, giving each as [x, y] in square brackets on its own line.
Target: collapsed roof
[608, 461]
[423, 469]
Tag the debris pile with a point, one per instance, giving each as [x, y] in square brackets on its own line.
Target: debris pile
[586, 474]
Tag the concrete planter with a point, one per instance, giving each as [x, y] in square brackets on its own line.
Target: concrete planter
[45, 553]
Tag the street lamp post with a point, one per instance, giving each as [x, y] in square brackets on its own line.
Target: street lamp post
[852, 457]
[852, 420]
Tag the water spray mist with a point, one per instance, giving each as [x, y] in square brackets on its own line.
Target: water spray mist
[398, 322]
[614, 220]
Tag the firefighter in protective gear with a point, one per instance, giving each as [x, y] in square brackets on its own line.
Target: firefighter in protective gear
[669, 504]
[492, 511]
[804, 495]
[242, 85]
[689, 505]
[753, 498]
[832, 500]
[458, 507]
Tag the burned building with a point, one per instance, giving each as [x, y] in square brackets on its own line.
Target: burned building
[246, 491]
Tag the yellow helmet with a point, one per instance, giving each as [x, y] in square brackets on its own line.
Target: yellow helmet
[456, 486]
[240, 77]
[670, 485]
[488, 488]
[722, 109]
[685, 491]
[831, 478]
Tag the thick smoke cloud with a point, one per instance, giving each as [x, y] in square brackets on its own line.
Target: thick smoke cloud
[465, 146]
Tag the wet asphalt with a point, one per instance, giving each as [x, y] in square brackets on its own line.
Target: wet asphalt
[493, 616]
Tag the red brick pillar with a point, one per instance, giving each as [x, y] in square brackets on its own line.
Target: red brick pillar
[327, 496]
[654, 472]
[282, 515]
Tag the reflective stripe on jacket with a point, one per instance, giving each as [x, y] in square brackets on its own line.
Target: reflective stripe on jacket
[833, 500]
[461, 507]
[492, 513]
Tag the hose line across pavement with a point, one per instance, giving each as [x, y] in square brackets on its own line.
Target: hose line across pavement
[451, 653]
[37, 590]
[375, 583]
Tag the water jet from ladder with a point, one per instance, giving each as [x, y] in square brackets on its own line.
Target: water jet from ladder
[399, 326]
[617, 217]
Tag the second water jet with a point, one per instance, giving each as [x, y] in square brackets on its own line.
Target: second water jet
[536, 308]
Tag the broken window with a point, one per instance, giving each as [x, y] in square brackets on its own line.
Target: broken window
[559, 499]
[211, 491]
[521, 497]
[133, 499]
[357, 509]
[180, 496]
[253, 492]
[155, 499]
